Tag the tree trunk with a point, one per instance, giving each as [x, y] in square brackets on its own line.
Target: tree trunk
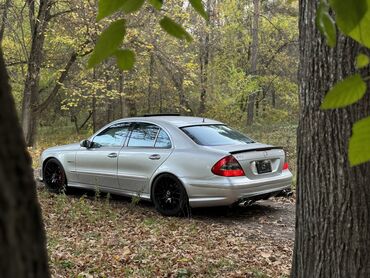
[94, 119]
[22, 237]
[254, 59]
[6, 7]
[31, 88]
[121, 97]
[250, 108]
[110, 108]
[333, 199]
[203, 61]
[150, 84]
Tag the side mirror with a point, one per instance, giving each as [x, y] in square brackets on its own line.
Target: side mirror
[85, 144]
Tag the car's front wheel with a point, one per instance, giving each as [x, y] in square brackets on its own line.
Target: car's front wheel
[54, 176]
[169, 196]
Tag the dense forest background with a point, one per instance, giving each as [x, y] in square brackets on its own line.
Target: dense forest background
[240, 68]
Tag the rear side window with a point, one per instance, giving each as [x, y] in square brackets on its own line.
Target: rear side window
[216, 135]
[149, 136]
[143, 135]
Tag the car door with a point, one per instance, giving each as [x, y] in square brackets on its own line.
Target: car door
[147, 147]
[97, 165]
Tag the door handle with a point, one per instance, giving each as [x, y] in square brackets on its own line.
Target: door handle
[155, 157]
[112, 155]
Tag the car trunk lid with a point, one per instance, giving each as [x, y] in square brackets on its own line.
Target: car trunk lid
[257, 160]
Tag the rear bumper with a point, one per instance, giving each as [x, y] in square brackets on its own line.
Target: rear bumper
[222, 191]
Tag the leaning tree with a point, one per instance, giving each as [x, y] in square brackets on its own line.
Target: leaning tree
[22, 236]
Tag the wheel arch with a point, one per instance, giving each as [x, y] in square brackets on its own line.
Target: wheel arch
[158, 176]
[55, 158]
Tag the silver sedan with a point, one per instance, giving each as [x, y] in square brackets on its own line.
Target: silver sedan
[176, 162]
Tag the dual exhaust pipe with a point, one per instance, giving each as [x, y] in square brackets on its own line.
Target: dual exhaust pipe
[286, 193]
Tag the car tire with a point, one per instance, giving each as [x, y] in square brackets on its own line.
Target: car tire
[54, 176]
[169, 196]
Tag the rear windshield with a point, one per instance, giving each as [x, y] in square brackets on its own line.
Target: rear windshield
[215, 135]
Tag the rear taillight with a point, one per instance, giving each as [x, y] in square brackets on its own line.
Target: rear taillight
[285, 166]
[228, 167]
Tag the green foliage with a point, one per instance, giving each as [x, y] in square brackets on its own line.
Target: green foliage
[109, 41]
[362, 60]
[125, 58]
[353, 19]
[108, 7]
[157, 4]
[344, 93]
[361, 33]
[326, 24]
[359, 147]
[348, 14]
[174, 29]
[130, 6]
[198, 6]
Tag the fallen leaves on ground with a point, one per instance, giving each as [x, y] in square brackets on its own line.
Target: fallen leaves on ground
[98, 237]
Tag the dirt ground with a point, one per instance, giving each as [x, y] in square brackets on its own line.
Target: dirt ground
[90, 236]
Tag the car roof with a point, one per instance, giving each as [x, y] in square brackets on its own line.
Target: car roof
[179, 121]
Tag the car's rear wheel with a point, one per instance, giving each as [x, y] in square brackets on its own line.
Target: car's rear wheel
[169, 196]
[54, 176]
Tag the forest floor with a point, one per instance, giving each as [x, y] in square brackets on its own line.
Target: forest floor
[111, 236]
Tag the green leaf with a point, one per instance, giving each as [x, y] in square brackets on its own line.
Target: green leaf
[359, 143]
[326, 24]
[132, 5]
[361, 32]
[125, 59]
[174, 29]
[198, 6]
[353, 19]
[362, 60]
[345, 93]
[157, 4]
[108, 7]
[348, 13]
[108, 42]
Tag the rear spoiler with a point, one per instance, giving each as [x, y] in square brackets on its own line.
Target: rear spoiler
[257, 149]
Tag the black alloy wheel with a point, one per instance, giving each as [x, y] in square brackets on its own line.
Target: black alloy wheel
[54, 176]
[169, 196]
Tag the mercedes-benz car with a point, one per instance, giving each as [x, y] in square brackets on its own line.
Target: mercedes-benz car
[176, 162]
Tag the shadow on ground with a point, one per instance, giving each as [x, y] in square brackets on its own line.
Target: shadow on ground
[274, 217]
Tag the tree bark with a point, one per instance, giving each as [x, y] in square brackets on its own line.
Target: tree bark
[254, 59]
[31, 88]
[22, 237]
[333, 199]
